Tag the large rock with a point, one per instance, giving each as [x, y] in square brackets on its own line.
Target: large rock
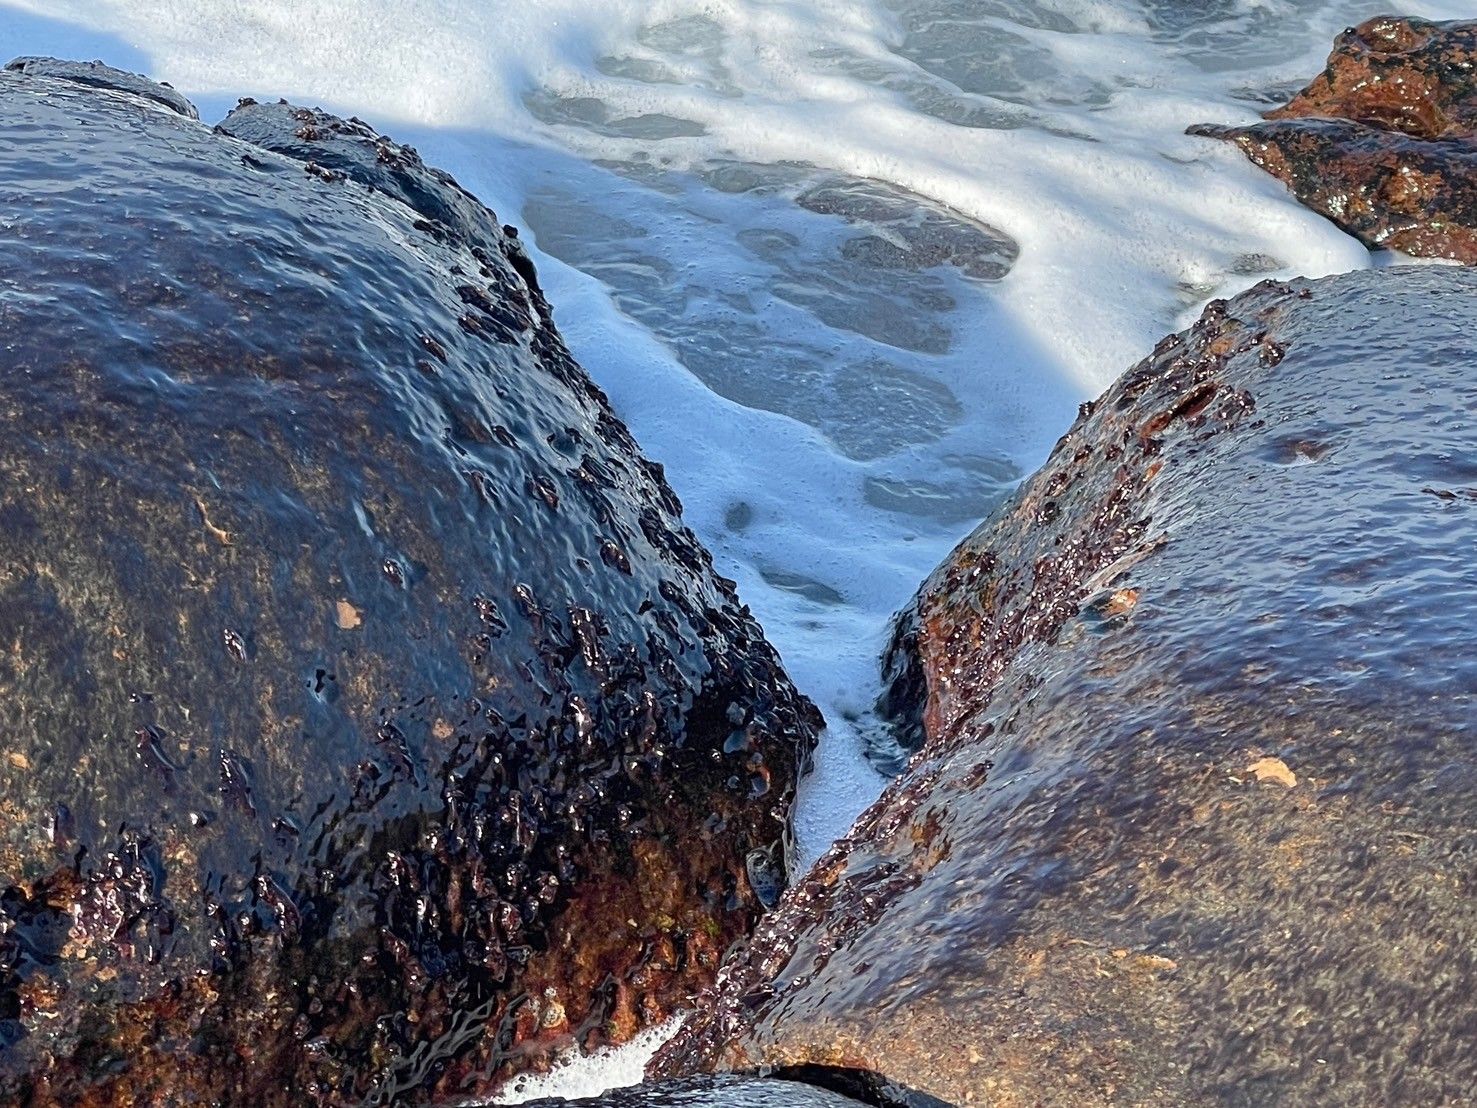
[370, 724]
[1194, 818]
[1384, 140]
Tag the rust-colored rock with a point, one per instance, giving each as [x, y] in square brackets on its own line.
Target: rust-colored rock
[1398, 74]
[1193, 821]
[370, 724]
[1384, 141]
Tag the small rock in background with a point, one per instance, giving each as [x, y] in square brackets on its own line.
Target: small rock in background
[1384, 140]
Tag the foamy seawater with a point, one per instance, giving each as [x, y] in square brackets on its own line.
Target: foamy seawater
[845, 268]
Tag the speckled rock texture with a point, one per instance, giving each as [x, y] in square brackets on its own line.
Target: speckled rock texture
[1383, 141]
[1195, 817]
[370, 724]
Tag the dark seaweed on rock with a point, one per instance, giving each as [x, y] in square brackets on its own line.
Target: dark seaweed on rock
[1193, 821]
[1384, 141]
[365, 700]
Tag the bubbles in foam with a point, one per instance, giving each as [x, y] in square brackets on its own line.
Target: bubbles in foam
[593, 1074]
[992, 49]
[818, 296]
[598, 117]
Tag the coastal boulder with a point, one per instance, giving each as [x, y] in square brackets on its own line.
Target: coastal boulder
[370, 723]
[1384, 140]
[1192, 822]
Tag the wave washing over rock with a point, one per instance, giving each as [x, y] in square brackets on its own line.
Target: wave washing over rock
[373, 724]
[847, 267]
[655, 155]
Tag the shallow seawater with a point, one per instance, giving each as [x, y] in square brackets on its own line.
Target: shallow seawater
[846, 267]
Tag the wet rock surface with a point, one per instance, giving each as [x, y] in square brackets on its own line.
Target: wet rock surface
[805, 1086]
[371, 723]
[98, 75]
[712, 1092]
[1193, 818]
[1383, 141]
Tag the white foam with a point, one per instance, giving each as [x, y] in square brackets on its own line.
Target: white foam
[593, 1074]
[660, 150]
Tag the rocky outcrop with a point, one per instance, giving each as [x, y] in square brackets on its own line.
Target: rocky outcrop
[1193, 820]
[1384, 141]
[370, 724]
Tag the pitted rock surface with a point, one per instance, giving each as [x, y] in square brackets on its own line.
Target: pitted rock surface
[1193, 819]
[370, 723]
[1384, 141]
[711, 1092]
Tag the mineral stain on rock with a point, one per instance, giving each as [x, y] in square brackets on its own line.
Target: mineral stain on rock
[366, 704]
[1384, 140]
[1191, 821]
